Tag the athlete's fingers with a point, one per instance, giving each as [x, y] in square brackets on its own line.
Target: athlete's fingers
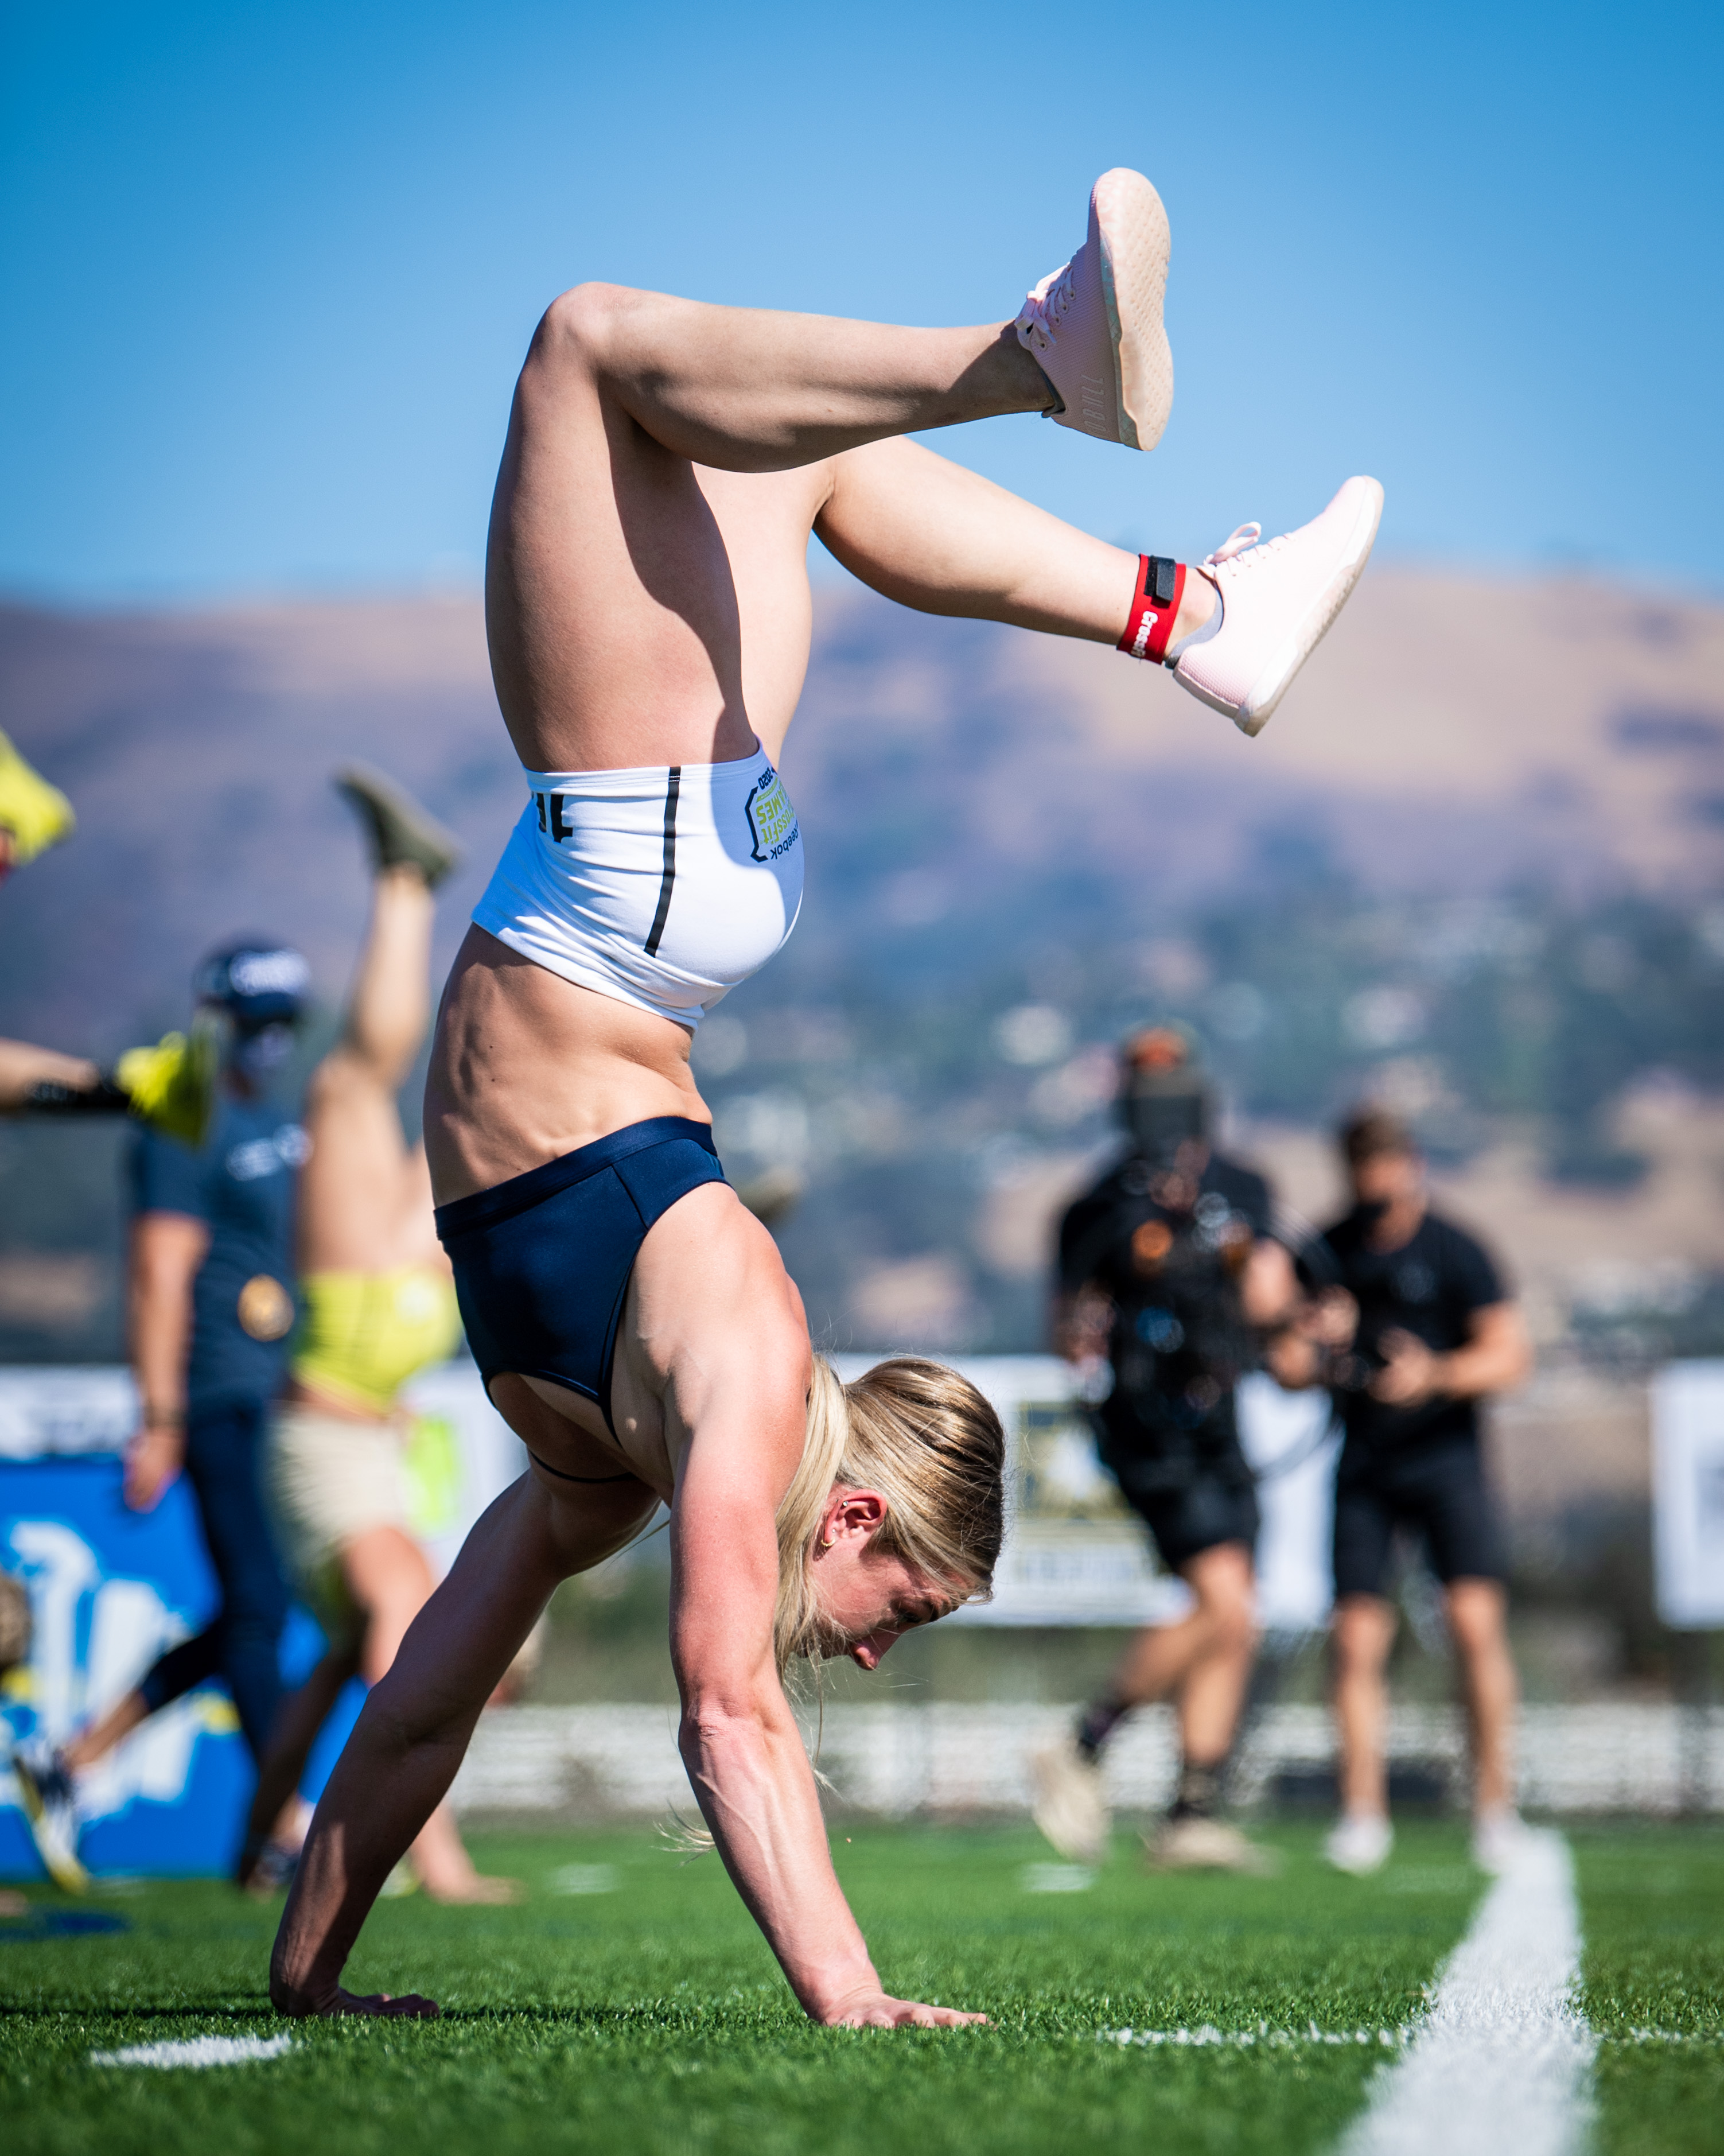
[886, 2013]
[380, 2005]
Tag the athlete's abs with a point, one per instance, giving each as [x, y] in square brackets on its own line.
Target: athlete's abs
[527, 1066]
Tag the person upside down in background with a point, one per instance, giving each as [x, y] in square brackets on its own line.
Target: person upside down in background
[377, 1305]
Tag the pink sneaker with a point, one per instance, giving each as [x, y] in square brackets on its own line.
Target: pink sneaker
[1276, 601]
[1094, 327]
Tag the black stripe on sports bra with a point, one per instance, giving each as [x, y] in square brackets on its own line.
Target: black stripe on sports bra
[562, 1476]
[671, 791]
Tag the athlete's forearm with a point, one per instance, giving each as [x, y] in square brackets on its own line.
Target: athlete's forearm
[1469, 1373]
[756, 1791]
[160, 1326]
[24, 1066]
[1498, 1357]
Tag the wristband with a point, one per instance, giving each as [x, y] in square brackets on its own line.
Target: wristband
[164, 1418]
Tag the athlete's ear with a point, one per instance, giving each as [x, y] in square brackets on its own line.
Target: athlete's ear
[851, 1516]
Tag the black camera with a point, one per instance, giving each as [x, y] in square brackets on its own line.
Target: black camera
[1164, 1110]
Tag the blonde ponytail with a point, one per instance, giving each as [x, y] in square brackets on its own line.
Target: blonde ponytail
[930, 1444]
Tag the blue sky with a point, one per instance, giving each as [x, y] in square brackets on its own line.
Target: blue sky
[269, 268]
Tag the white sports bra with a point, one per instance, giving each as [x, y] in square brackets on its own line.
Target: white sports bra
[663, 888]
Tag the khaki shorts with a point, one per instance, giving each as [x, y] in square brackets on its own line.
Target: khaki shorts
[330, 1481]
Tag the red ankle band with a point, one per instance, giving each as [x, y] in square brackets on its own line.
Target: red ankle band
[1155, 607]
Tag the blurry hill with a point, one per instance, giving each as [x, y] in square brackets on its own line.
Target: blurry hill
[1474, 865]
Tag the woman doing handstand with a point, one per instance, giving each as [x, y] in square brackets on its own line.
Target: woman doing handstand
[648, 615]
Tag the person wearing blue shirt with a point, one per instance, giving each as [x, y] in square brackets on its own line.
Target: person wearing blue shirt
[210, 1305]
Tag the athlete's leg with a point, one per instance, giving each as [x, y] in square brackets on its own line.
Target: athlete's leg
[418, 1722]
[130, 1711]
[1203, 1663]
[221, 1451]
[303, 1713]
[1212, 1643]
[170, 1676]
[664, 461]
[743, 389]
[931, 535]
[1478, 1620]
[1219, 1674]
[356, 1187]
[620, 579]
[390, 1582]
[1364, 1631]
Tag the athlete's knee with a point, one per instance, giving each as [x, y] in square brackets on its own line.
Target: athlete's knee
[1231, 1614]
[1363, 1631]
[580, 326]
[1477, 1613]
[1224, 1582]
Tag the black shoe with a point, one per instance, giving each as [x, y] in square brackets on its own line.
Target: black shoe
[403, 833]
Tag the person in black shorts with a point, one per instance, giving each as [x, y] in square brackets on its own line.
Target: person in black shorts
[1168, 1268]
[1436, 1330]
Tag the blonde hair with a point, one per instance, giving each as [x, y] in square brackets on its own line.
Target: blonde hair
[930, 1444]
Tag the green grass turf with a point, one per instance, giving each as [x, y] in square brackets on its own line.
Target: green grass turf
[652, 2018]
[1652, 1911]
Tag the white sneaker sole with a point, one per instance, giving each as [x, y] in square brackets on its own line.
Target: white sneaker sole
[1357, 1867]
[1254, 714]
[1136, 244]
[61, 1864]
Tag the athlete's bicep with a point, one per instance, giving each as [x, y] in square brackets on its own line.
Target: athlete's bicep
[724, 1576]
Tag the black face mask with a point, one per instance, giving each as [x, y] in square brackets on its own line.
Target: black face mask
[1370, 1210]
[1160, 1121]
[261, 1053]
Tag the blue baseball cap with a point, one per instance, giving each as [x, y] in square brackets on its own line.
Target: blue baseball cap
[258, 983]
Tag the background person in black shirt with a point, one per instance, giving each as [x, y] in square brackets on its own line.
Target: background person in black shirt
[1433, 1330]
[1168, 1268]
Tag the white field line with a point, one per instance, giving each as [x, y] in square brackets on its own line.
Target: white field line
[197, 2052]
[1501, 2064]
[1245, 2040]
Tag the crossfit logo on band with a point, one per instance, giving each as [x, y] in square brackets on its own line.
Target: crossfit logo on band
[1146, 629]
[772, 821]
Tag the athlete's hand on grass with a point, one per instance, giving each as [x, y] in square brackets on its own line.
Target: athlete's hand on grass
[377, 2005]
[152, 1460]
[874, 2009]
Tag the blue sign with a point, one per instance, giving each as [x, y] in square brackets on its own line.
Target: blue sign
[110, 1590]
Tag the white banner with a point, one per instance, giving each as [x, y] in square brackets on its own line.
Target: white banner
[1074, 1554]
[1688, 1494]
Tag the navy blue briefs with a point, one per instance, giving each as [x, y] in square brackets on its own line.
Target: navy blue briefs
[541, 1262]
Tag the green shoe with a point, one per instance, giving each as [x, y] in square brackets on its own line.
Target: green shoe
[172, 1086]
[33, 814]
[403, 833]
